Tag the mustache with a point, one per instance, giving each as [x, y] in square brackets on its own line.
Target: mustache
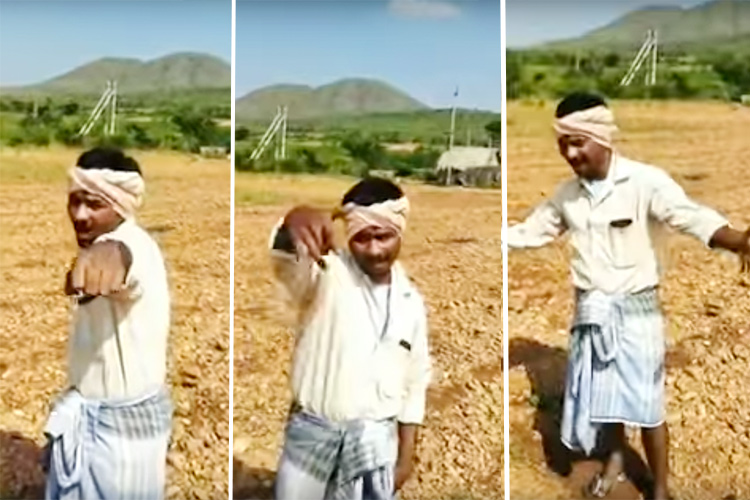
[378, 259]
[81, 227]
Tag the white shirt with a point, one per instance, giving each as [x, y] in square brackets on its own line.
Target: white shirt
[100, 366]
[342, 367]
[611, 236]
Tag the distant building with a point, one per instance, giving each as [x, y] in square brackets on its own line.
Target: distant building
[469, 166]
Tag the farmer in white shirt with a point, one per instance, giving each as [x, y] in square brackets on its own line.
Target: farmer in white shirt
[616, 361]
[108, 433]
[361, 363]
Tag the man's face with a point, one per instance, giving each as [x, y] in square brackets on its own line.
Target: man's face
[91, 216]
[375, 249]
[588, 158]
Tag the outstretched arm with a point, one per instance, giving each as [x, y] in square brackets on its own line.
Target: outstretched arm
[298, 242]
[671, 205]
[540, 228]
[100, 270]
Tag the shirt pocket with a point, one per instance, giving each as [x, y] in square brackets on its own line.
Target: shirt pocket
[394, 360]
[624, 241]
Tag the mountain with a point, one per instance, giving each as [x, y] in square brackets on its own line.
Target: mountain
[181, 71]
[718, 21]
[353, 96]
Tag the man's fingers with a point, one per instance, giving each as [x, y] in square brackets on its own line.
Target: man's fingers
[78, 274]
[109, 280]
[324, 239]
[310, 244]
[328, 237]
[118, 279]
[93, 281]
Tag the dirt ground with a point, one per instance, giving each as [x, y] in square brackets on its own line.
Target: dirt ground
[452, 252]
[704, 146]
[187, 209]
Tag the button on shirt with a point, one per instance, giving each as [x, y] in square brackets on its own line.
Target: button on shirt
[610, 233]
[346, 365]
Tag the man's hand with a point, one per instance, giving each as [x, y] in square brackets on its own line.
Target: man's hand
[734, 241]
[99, 269]
[407, 439]
[45, 457]
[744, 253]
[311, 231]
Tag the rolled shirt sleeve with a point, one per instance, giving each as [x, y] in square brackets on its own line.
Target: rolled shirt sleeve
[671, 205]
[540, 228]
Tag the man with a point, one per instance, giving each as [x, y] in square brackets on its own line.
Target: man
[108, 433]
[616, 362]
[361, 363]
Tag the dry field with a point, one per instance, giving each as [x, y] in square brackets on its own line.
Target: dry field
[705, 147]
[187, 209]
[452, 251]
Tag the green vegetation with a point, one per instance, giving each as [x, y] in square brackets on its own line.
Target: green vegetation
[180, 101]
[711, 74]
[405, 144]
[144, 121]
[704, 53]
[355, 155]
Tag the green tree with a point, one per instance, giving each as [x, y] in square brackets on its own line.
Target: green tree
[495, 130]
[241, 134]
[369, 152]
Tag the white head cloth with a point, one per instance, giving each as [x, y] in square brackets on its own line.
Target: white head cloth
[597, 123]
[122, 190]
[390, 214]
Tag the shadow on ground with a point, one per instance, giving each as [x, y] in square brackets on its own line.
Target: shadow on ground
[546, 366]
[21, 476]
[252, 483]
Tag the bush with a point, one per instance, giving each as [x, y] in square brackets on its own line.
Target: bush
[139, 137]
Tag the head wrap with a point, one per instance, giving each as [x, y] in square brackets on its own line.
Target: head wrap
[390, 214]
[597, 123]
[123, 190]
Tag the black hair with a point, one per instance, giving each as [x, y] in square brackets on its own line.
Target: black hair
[578, 101]
[372, 190]
[111, 158]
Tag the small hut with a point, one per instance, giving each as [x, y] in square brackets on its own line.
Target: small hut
[469, 166]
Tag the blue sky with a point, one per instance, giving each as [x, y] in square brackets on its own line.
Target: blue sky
[40, 39]
[423, 47]
[533, 21]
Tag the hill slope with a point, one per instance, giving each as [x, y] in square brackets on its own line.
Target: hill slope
[181, 71]
[714, 22]
[343, 97]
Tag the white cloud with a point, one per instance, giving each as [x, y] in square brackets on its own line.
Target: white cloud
[424, 9]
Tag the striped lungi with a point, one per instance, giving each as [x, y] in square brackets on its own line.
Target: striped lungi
[615, 365]
[108, 449]
[352, 460]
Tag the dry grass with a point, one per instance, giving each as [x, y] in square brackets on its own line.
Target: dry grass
[187, 210]
[704, 146]
[452, 251]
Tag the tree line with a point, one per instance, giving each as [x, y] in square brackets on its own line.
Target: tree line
[706, 74]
